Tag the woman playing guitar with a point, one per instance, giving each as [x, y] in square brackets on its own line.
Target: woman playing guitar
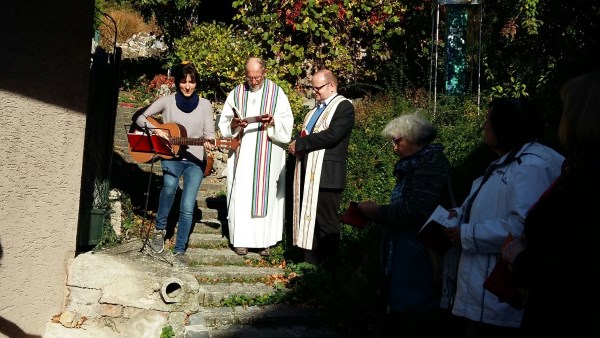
[184, 108]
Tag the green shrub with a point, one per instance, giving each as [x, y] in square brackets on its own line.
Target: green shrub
[220, 53]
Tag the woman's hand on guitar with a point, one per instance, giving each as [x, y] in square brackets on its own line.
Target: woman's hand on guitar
[161, 133]
[209, 145]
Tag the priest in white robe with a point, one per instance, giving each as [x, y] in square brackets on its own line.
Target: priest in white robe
[258, 112]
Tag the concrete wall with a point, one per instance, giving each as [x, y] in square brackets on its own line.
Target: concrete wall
[44, 72]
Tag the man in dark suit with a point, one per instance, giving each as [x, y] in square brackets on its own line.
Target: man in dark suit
[320, 177]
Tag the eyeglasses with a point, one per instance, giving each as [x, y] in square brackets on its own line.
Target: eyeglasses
[255, 78]
[396, 140]
[316, 89]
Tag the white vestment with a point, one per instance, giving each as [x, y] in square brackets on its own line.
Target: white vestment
[246, 230]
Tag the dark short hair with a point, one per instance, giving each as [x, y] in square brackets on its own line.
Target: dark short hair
[513, 121]
[181, 71]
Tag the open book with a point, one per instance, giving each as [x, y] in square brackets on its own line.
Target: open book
[250, 119]
[254, 119]
[432, 233]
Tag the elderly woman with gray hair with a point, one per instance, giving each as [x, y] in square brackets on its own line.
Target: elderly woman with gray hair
[411, 287]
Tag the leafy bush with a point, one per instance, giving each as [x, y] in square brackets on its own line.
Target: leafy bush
[219, 53]
[344, 36]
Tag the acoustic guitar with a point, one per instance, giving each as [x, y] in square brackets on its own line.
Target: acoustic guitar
[176, 141]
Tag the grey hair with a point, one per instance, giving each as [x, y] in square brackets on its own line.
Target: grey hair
[412, 127]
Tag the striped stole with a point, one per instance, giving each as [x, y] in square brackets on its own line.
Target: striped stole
[305, 208]
[263, 146]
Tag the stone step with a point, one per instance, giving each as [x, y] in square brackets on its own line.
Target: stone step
[210, 226]
[217, 257]
[212, 202]
[222, 318]
[216, 188]
[231, 273]
[212, 179]
[245, 331]
[208, 213]
[213, 294]
[208, 240]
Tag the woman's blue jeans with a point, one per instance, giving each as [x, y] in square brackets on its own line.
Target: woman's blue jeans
[192, 177]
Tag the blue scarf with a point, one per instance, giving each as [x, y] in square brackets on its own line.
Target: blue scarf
[186, 104]
[408, 164]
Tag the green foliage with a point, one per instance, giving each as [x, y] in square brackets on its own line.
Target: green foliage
[306, 283]
[303, 35]
[167, 332]
[128, 217]
[277, 254]
[99, 13]
[109, 237]
[369, 152]
[514, 88]
[258, 300]
[533, 46]
[209, 46]
[130, 223]
[528, 11]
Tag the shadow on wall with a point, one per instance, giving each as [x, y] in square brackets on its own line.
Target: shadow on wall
[40, 54]
[11, 330]
[7, 327]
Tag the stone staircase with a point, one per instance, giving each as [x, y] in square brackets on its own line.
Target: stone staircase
[222, 274]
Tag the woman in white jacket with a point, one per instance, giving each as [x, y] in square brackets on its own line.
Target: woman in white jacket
[496, 206]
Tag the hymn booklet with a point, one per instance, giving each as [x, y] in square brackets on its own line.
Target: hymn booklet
[432, 233]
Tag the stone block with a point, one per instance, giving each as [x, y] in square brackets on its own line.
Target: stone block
[111, 310]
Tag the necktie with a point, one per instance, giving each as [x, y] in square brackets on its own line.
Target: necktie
[315, 117]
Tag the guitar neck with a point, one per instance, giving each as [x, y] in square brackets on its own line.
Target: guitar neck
[189, 141]
[229, 143]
